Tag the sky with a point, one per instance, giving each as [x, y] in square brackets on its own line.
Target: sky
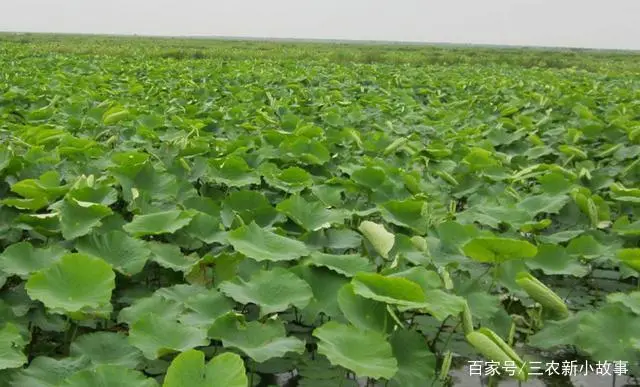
[611, 24]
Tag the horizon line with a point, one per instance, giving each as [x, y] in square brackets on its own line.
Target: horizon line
[324, 40]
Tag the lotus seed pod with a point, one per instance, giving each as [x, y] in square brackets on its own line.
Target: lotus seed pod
[467, 319]
[542, 294]
[492, 347]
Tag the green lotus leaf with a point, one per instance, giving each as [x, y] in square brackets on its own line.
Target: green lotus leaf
[407, 213]
[495, 249]
[156, 336]
[494, 216]
[225, 265]
[483, 306]
[334, 119]
[330, 195]
[33, 204]
[342, 239]
[144, 183]
[273, 290]
[441, 304]
[115, 115]
[325, 285]
[630, 300]
[598, 339]
[6, 155]
[624, 194]
[623, 227]
[48, 372]
[312, 216]
[263, 245]
[555, 183]
[22, 258]
[630, 257]
[557, 333]
[86, 189]
[109, 376]
[367, 353]
[46, 187]
[381, 239]
[251, 206]
[318, 371]
[15, 303]
[206, 228]
[204, 205]
[46, 224]
[165, 308]
[107, 348]
[291, 180]
[75, 283]
[573, 151]
[164, 222]
[205, 307]
[130, 162]
[260, 341]
[181, 293]
[392, 290]
[479, 159]
[561, 236]
[234, 172]
[171, 257]
[536, 226]
[553, 259]
[126, 254]
[416, 364]
[347, 265]
[188, 369]
[305, 150]
[590, 248]
[244, 200]
[79, 218]
[370, 177]
[550, 204]
[427, 279]
[454, 235]
[11, 347]
[364, 313]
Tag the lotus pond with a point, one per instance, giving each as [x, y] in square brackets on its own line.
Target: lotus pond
[207, 213]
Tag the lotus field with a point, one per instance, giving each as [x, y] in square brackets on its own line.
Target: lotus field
[226, 214]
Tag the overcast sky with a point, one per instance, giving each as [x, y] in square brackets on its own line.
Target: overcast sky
[575, 23]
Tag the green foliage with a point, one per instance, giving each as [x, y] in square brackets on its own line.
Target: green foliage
[259, 341]
[76, 283]
[273, 290]
[11, 347]
[367, 353]
[108, 376]
[198, 213]
[188, 369]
